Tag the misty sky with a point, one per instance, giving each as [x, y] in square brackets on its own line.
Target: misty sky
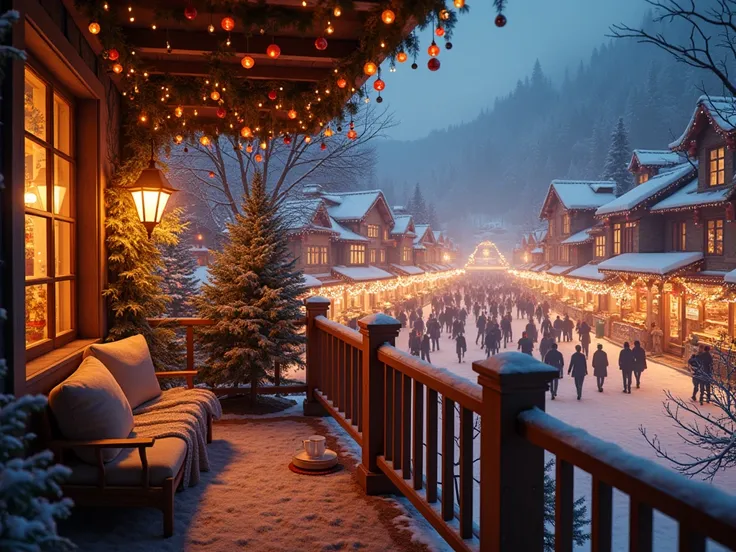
[486, 61]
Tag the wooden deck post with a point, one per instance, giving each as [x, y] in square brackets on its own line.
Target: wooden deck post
[377, 329]
[316, 306]
[512, 469]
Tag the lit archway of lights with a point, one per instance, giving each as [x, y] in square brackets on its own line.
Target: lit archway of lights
[483, 250]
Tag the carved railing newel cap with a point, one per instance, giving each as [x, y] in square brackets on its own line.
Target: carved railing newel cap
[379, 324]
[317, 303]
[514, 371]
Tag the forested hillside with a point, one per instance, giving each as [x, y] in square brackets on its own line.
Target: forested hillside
[502, 162]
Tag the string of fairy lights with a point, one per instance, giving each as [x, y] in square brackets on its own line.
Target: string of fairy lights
[483, 246]
[352, 289]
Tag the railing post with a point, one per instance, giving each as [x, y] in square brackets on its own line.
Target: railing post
[316, 306]
[377, 329]
[512, 469]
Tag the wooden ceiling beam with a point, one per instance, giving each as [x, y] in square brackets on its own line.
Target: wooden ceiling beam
[198, 42]
[360, 6]
[260, 71]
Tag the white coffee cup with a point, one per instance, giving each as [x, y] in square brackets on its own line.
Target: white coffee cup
[315, 446]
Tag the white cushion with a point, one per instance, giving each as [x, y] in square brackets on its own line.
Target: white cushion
[129, 361]
[90, 405]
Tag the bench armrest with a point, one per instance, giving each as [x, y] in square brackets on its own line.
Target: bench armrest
[132, 442]
[186, 374]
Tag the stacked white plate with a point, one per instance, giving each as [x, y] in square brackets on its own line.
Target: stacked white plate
[305, 462]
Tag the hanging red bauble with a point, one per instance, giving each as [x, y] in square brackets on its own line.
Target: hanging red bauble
[501, 20]
[221, 112]
[341, 83]
[258, 157]
[370, 68]
[323, 146]
[227, 23]
[190, 12]
[272, 95]
[292, 114]
[388, 17]
[433, 49]
[113, 54]
[287, 139]
[273, 51]
[433, 64]
[321, 43]
[247, 62]
[211, 174]
[352, 134]
[401, 57]
[439, 31]
[379, 85]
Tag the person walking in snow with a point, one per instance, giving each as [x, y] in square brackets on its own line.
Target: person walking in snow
[506, 329]
[481, 325]
[525, 345]
[415, 343]
[554, 358]
[600, 367]
[546, 326]
[706, 372]
[434, 328]
[697, 371]
[567, 328]
[640, 361]
[531, 330]
[538, 314]
[584, 332]
[494, 334]
[558, 327]
[578, 369]
[545, 345]
[461, 346]
[424, 348]
[626, 365]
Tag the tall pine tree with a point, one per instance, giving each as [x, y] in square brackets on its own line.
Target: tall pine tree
[253, 298]
[619, 155]
[179, 282]
[417, 207]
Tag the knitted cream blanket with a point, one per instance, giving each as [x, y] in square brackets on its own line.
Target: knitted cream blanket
[182, 413]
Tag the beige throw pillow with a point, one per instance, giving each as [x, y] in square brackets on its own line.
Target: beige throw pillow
[129, 361]
[90, 405]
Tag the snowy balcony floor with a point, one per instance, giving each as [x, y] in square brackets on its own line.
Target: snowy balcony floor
[251, 501]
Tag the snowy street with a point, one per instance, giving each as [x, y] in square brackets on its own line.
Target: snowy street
[610, 415]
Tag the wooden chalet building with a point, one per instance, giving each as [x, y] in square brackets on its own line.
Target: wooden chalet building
[530, 250]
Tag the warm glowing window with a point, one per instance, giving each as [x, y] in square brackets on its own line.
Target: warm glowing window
[565, 224]
[373, 256]
[382, 255]
[564, 254]
[385, 234]
[717, 167]
[643, 177]
[317, 255]
[357, 254]
[600, 246]
[714, 237]
[628, 237]
[406, 255]
[372, 230]
[49, 216]
[679, 236]
[617, 239]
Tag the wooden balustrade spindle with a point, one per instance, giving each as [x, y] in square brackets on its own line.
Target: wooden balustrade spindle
[640, 527]
[349, 383]
[466, 473]
[190, 347]
[340, 379]
[418, 436]
[397, 418]
[689, 540]
[315, 306]
[432, 438]
[448, 459]
[389, 416]
[358, 389]
[564, 483]
[602, 519]
[406, 429]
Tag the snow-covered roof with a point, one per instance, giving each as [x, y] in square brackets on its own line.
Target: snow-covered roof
[438, 236]
[409, 270]
[587, 272]
[650, 263]
[300, 213]
[655, 158]
[539, 268]
[580, 194]
[688, 197]
[559, 269]
[361, 273]
[421, 230]
[418, 246]
[658, 184]
[355, 205]
[310, 281]
[539, 235]
[720, 110]
[343, 234]
[402, 224]
[537, 251]
[579, 237]
[730, 277]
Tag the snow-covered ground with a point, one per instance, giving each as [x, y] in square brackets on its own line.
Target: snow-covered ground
[611, 415]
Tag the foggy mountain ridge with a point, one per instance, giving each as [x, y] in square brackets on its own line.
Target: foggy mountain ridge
[501, 163]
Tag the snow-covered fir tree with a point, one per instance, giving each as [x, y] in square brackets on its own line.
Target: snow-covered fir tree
[579, 514]
[179, 282]
[417, 206]
[617, 161]
[31, 500]
[432, 219]
[252, 297]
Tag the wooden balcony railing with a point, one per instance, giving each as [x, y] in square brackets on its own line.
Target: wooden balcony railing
[189, 324]
[471, 458]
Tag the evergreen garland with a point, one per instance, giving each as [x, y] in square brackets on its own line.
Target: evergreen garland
[253, 298]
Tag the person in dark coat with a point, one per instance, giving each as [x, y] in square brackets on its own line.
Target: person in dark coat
[697, 371]
[412, 318]
[558, 326]
[578, 369]
[546, 327]
[545, 345]
[506, 329]
[584, 333]
[494, 333]
[626, 365]
[706, 372]
[640, 361]
[415, 343]
[434, 328]
[460, 347]
[481, 325]
[567, 327]
[531, 330]
[419, 325]
[600, 367]
[554, 358]
[525, 345]
[424, 348]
